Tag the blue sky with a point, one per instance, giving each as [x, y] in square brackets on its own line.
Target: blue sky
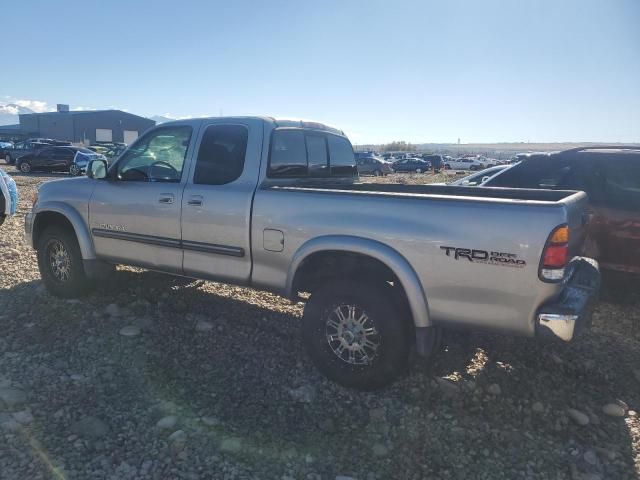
[421, 71]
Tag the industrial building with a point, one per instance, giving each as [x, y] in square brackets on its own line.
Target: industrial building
[87, 126]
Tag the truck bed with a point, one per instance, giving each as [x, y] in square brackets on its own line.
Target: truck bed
[419, 222]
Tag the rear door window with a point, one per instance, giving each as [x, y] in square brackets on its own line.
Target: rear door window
[221, 155]
[63, 154]
[46, 153]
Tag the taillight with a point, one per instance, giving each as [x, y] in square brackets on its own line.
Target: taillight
[555, 255]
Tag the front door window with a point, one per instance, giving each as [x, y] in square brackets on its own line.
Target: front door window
[157, 157]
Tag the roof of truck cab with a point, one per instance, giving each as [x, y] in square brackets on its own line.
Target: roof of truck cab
[278, 122]
[306, 124]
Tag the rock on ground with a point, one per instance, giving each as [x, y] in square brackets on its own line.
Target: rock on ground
[167, 422]
[232, 445]
[90, 427]
[12, 397]
[613, 410]
[578, 417]
[130, 331]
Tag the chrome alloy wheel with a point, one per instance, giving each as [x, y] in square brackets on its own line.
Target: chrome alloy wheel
[59, 260]
[352, 335]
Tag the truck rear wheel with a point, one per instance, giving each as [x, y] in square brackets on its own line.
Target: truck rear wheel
[355, 335]
[60, 263]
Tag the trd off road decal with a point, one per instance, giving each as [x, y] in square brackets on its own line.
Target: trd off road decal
[503, 259]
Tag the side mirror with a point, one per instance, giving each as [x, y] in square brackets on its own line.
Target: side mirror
[97, 169]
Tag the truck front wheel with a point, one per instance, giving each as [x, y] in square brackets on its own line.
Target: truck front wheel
[60, 263]
[355, 335]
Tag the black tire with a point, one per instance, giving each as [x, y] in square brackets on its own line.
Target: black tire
[75, 283]
[24, 167]
[392, 334]
[74, 170]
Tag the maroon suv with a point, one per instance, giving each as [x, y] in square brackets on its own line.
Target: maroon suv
[610, 175]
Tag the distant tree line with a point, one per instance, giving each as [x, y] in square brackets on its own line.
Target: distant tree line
[399, 146]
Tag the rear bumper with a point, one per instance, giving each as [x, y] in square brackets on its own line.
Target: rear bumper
[571, 312]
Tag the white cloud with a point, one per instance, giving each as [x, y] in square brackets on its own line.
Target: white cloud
[9, 109]
[35, 105]
[13, 106]
[176, 117]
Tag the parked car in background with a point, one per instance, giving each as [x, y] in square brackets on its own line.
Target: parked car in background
[416, 165]
[114, 151]
[11, 154]
[50, 141]
[465, 163]
[366, 154]
[478, 178]
[272, 204]
[491, 162]
[373, 166]
[434, 159]
[5, 145]
[611, 178]
[98, 149]
[82, 159]
[8, 196]
[51, 159]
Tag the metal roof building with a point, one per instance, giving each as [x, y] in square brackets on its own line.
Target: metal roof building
[86, 126]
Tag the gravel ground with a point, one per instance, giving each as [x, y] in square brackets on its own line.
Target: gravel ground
[160, 377]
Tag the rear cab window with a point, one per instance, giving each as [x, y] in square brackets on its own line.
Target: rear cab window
[341, 157]
[302, 153]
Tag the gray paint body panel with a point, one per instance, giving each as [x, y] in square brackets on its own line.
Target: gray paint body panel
[402, 227]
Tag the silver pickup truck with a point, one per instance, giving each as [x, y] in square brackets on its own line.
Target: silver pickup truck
[275, 205]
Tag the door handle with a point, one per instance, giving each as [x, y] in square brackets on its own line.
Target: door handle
[166, 198]
[195, 200]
